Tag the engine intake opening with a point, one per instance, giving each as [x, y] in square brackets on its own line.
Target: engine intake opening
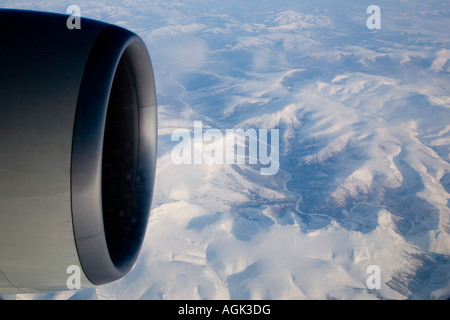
[119, 167]
[114, 155]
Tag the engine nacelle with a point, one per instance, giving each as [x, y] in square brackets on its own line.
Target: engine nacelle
[78, 143]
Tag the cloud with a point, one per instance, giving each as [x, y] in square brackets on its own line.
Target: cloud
[439, 64]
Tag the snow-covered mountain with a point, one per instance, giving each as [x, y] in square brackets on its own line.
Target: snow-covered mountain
[364, 172]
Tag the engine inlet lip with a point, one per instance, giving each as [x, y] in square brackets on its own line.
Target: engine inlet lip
[104, 260]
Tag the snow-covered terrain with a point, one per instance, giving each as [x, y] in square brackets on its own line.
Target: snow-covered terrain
[364, 173]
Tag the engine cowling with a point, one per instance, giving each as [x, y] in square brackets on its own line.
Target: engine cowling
[78, 144]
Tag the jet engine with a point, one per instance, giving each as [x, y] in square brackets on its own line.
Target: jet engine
[78, 143]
